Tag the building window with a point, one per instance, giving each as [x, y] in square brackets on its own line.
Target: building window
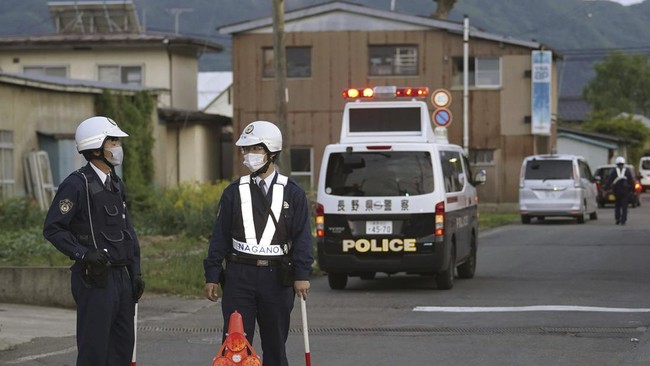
[60, 71]
[484, 72]
[481, 157]
[116, 74]
[392, 60]
[7, 180]
[301, 167]
[298, 62]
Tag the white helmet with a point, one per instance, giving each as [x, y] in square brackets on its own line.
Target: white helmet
[620, 160]
[261, 132]
[92, 132]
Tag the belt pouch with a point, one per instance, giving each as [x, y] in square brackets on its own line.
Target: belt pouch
[287, 271]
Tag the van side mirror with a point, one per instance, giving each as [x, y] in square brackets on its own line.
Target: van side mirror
[480, 177]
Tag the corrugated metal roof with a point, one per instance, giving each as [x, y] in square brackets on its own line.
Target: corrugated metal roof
[70, 85]
[341, 6]
[211, 84]
[105, 40]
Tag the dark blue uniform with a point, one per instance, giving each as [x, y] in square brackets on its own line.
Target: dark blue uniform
[622, 189]
[255, 291]
[106, 305]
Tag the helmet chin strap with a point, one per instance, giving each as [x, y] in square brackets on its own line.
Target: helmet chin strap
[261, 170]
[270, 159]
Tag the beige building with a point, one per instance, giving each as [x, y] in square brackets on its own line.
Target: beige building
[337, 45]
[102, 42]
[41, 114]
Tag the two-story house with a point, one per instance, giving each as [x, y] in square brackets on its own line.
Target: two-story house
[102, 41]
[337, 45]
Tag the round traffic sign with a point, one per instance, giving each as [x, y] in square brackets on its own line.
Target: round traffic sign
[441, 98]
[441, 117]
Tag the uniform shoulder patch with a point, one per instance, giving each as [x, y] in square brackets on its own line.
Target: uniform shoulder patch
[65, 206]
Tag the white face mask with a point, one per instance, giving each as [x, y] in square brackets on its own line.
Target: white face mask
[118, 155]
[254, 161]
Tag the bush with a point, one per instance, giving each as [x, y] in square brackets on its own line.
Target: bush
[20, 213]
[188, 209]
[28, 247]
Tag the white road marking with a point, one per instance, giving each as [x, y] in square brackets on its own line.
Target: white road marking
[43, 355]
[505, 309]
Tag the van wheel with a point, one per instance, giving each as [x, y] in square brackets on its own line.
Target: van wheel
[525, 219]
[445, 279]
[467, 269]
[583, 212]
[337, 281]
[593, 216]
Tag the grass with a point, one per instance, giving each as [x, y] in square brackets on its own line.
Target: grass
[488, 220]
[170, 264]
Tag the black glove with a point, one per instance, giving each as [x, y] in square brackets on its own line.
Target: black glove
[95, 258]
[138, 287]
[96, 265]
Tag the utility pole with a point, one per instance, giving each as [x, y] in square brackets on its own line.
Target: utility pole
[281, 91]
[176, 12]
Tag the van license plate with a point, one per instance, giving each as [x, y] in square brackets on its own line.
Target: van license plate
[379, 227]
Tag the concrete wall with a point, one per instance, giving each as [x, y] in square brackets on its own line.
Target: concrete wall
[44, 286]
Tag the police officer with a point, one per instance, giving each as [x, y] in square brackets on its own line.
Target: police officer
[622, 183]
[88, 221]
[262, 222]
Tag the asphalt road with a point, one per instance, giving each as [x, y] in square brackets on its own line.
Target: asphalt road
[548, 293]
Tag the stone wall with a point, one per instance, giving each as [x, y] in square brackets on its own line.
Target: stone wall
[43, 286]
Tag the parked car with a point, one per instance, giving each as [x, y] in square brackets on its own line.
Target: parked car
[644, 172]
[556, 185]
[605, 194]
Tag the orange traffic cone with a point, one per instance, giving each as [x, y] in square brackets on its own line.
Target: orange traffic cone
[236, 350]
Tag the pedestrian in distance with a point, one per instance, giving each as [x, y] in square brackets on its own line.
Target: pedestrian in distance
[262, 231]
[88, 222]
[621, 183]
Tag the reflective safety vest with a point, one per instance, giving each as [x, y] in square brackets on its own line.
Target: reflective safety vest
[263, 247]
[620, 174]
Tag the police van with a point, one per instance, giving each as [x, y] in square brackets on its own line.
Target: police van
[394, 195]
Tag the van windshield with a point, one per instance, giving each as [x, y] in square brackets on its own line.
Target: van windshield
[549, 169]
[379, 173]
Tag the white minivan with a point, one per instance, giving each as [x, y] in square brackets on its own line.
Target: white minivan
[557, 185]
[644, 172]
[392, 197]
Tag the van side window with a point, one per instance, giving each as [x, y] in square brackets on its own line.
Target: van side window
[452, 170]
[585, 172]
[645, 164]
[468, 171]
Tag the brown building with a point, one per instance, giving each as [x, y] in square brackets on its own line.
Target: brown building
[337, 45]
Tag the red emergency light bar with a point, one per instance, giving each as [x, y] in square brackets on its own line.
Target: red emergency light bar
[385, 92]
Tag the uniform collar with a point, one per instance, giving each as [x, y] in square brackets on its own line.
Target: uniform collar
[101, 175]
[268, 180]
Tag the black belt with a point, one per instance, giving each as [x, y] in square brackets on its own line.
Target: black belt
[254, 262]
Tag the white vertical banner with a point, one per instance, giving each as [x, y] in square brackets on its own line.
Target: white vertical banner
[541, 93]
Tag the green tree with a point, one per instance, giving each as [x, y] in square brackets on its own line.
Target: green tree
[133, 114]
[443, 9]
[633, 130]
[621, 84]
